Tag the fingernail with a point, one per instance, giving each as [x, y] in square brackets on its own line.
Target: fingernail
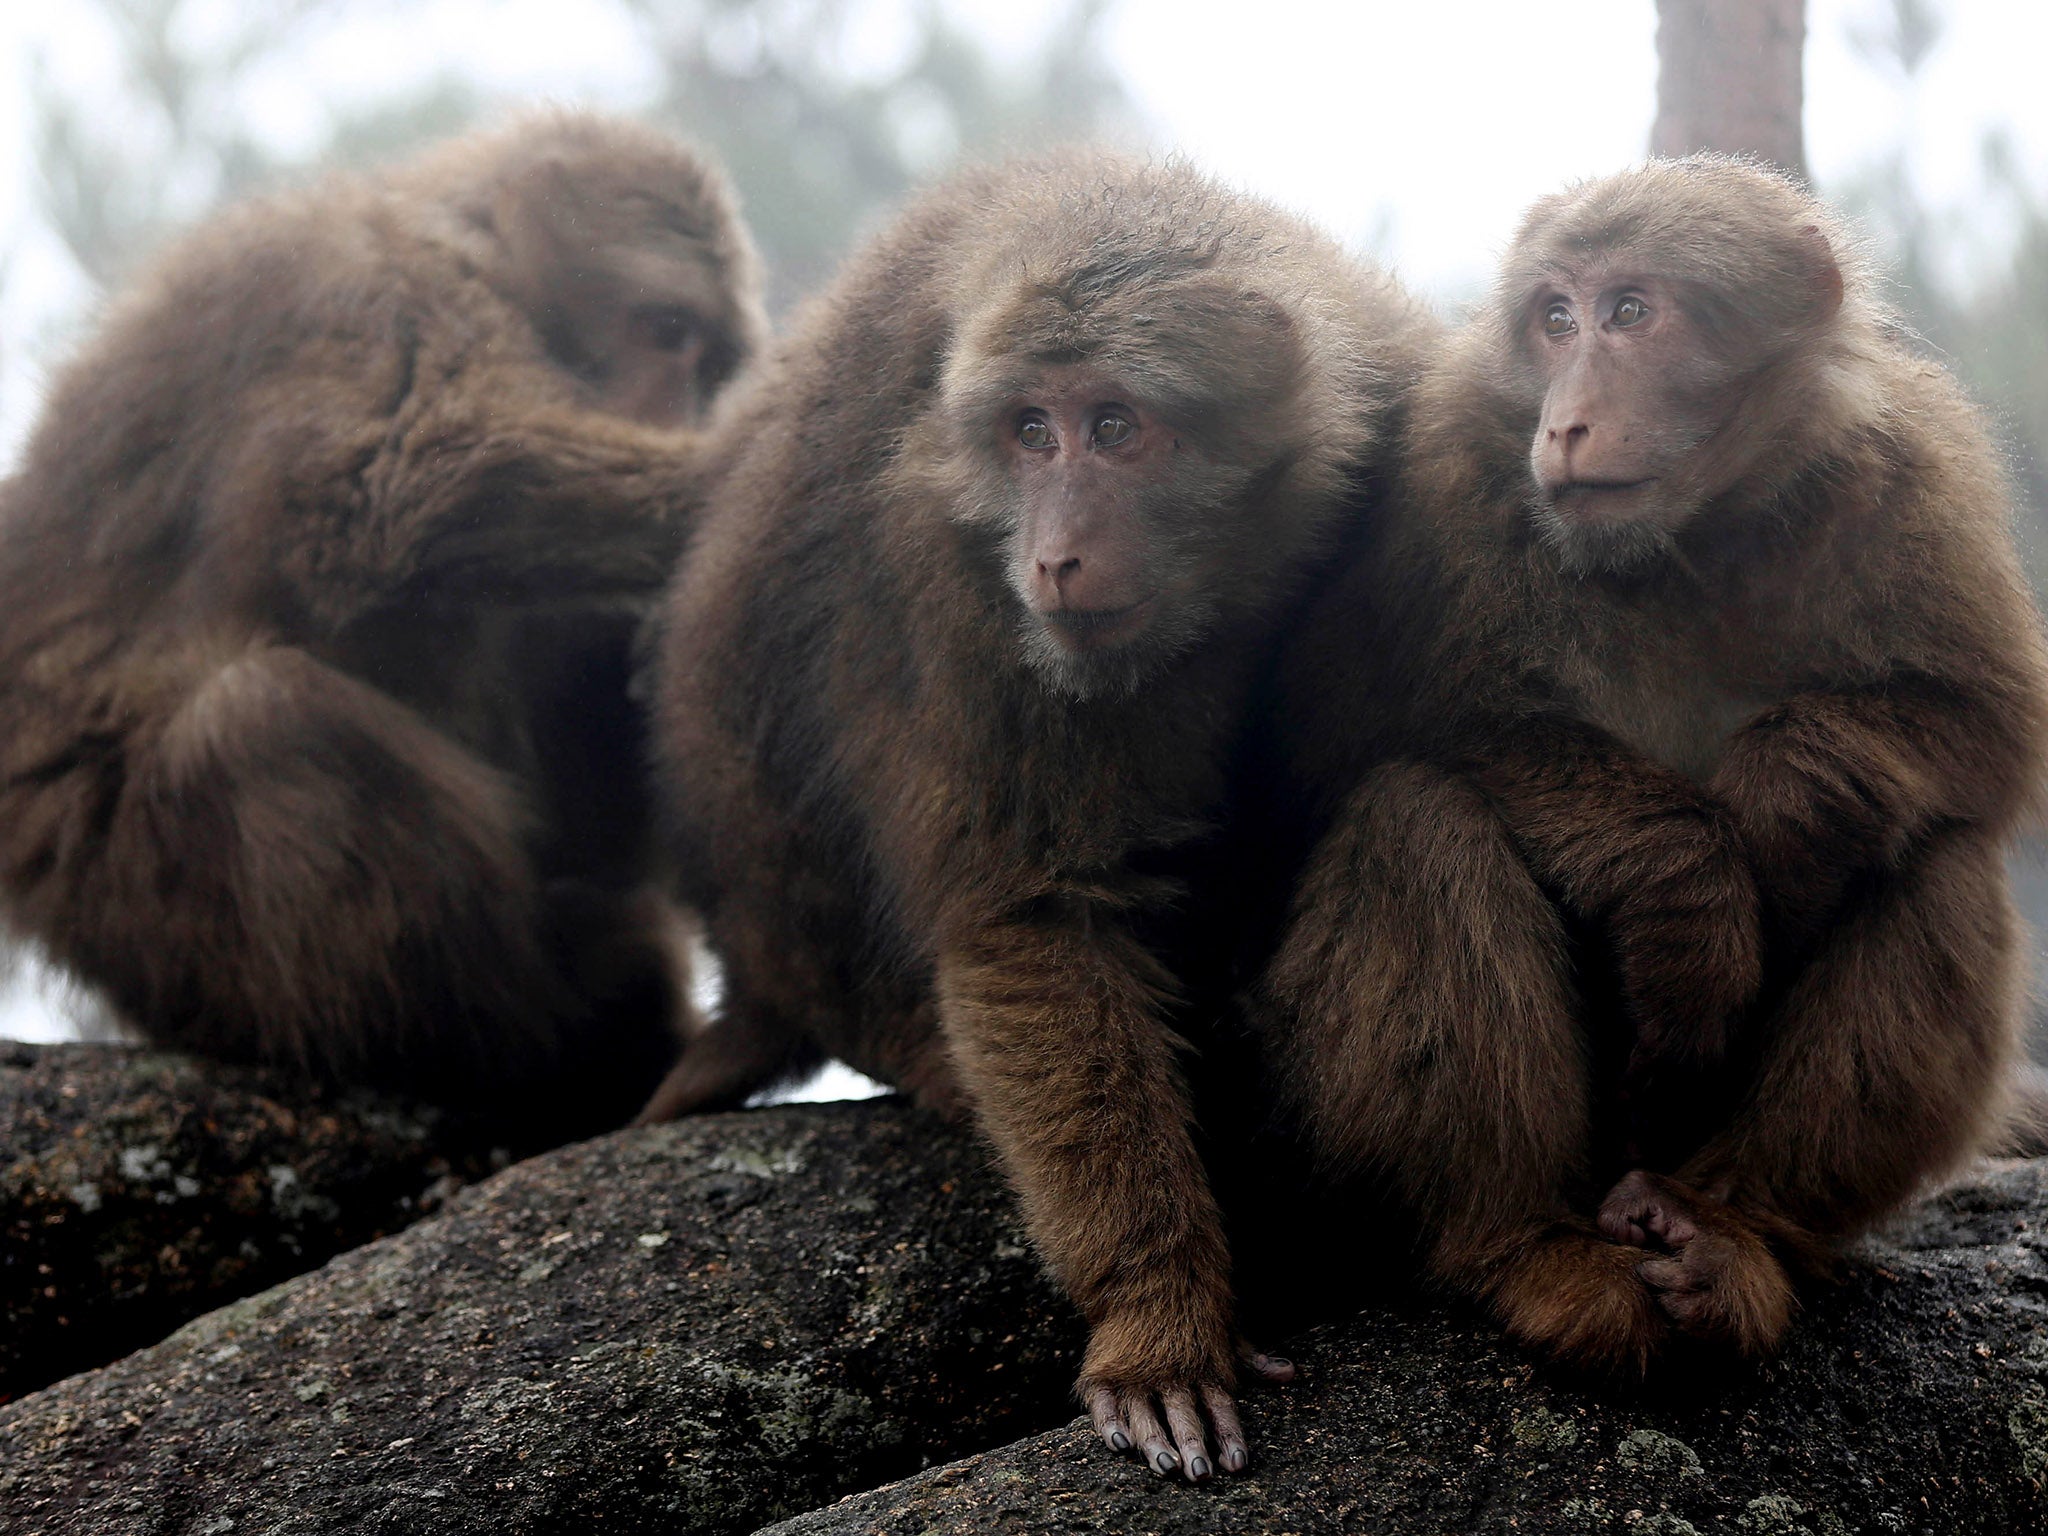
[1166, 1461]
[1120, 1440]
[1198, 1468]
[1235, 1458]
[1280, 1362]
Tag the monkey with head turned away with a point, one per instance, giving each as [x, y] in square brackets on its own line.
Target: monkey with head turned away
[317, 584]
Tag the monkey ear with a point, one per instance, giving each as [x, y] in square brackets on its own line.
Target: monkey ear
[1823, 272]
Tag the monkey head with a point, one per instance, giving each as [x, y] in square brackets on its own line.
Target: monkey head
[1656, 325]
[626, 252]
[1141, 445]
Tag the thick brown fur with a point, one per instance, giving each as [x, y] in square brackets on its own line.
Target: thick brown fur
[1675, 855]
[317, 587]
[930, 839]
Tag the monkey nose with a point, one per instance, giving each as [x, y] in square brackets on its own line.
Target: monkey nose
[1056, 573]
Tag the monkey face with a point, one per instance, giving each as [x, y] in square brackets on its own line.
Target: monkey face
[1663, 328]
[1631, 386]
[644, 333]
[1110, 525]
[655, 366]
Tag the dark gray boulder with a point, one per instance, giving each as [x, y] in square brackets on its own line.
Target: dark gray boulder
[1914, 1399]
[697, 1328]
[139, 1189]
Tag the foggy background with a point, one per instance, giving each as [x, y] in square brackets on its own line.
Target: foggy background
[1416, 133]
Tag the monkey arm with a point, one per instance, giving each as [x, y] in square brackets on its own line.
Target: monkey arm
[1645, 855]
[1832, 784]
[543, 507]
[1054, 1025]
[550, 504]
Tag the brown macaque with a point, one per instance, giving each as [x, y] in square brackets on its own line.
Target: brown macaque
[950, 681]
[1667, 744]
[317, 592]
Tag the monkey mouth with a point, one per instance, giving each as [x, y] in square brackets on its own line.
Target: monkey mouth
[1096, 628]
[1589, 498]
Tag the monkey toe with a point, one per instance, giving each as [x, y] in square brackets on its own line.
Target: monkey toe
[1190, 1437]
[1108, 1420]
[1153, 1445]
[1231, 1449]
[1273, 1368]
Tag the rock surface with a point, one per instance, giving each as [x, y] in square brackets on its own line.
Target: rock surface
[139, 1189]
[703, 1327]
[1912, 1400]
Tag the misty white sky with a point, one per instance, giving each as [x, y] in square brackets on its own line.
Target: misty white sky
[1417, 129]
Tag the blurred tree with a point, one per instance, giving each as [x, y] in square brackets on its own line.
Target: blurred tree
[816, 141]
[112, 182]
[817, 148]
[1729, 78]
[1990, 325]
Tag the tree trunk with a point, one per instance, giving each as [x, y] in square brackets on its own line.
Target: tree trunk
[1728, 78]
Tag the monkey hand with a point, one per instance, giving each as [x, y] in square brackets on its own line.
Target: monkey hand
[1711, 1272]
[1160, 1413]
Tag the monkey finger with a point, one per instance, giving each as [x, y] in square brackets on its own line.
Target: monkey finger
[1627, 1212]
[1147, 1431]
[1691, 1310]
[1621, 1226]
[1102, 1409]
[1190, 1436]
[1274, 1368]
[1668, 1276]
[1231, 1452]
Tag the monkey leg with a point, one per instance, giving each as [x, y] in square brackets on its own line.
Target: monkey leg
[725, 1063]
[1884, 1066]
[791, 997]
[290, 867]
[1433, 1046]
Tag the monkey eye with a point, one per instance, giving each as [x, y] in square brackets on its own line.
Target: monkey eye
[1034, 432]
[1557, 321]
[1630, 310]
[667, 329]
[1111, 429]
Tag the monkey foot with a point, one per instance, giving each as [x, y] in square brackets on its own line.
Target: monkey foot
[1711, 1273]
[1577, 1297]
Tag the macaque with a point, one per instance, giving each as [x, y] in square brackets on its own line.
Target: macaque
[317, 588]
[1667, 744]
[949, 686]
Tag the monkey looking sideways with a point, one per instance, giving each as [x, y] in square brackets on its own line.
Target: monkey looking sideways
[1670, 742]
[316, 585]
[950, 679]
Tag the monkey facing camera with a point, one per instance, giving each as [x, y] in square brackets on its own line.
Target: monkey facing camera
[950, 682]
